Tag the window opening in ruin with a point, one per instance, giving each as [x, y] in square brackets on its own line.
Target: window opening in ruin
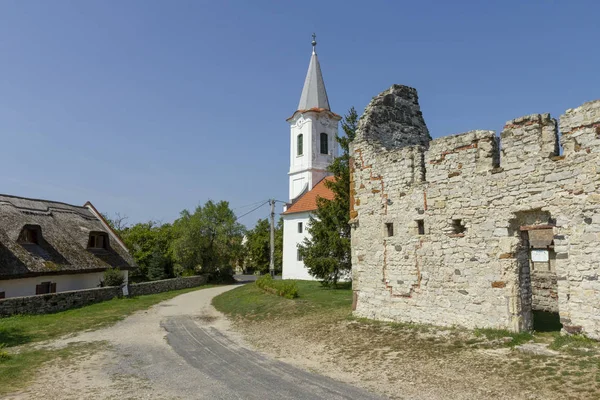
[389, 229]
[98, 240]
[45, 288]
[300, 145]
[458, 227]
[299, 255]
[324, 143]
[546, 321]
[299, 227]
[420, 227]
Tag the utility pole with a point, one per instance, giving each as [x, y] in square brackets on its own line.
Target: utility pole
[272, 253]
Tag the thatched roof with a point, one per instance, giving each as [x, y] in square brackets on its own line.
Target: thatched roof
[62, 242]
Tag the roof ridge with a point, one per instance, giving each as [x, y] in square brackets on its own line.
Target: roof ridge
[42, 200]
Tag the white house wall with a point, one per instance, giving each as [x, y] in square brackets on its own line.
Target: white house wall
[292, 268]
[26, 286]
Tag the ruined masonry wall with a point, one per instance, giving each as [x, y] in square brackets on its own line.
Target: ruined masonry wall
[472, 278]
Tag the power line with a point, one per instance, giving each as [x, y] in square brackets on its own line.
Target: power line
[254, 209]
[250, 205]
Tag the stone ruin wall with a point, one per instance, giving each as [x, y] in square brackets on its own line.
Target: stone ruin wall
[478, 278]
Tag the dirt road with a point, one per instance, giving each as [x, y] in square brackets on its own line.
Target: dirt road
[179, 349]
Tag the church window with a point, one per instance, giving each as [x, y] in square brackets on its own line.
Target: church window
[299, 227]
[299, 255]
[300, 145]
[324, 143]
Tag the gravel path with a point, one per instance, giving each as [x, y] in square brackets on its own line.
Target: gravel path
[179, 349]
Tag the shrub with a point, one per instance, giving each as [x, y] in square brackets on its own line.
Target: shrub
[113, 277]
[3, 354]
[287, 289]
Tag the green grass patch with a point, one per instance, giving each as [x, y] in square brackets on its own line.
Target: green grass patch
[517, 338]
[571, 342]
[19, 369]
[249, 301]
[23, 329]
[287, 289]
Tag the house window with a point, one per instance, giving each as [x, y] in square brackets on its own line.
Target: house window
[98, 240]
[300, 145]
[458, 227]
[420, 227]
[299, 255]
[29, 235]
[389, 229]
[324, 143]
[299, 227]
[45, 288]
[2, 295]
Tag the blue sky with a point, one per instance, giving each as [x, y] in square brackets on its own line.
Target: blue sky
[149, 107]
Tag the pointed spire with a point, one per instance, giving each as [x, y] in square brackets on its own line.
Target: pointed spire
[314, 94]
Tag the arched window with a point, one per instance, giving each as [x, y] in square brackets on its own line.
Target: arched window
[324, 143]
[300, 145]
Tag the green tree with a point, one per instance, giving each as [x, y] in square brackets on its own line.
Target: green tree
[258, 246]
[327, 253]
[150, 244]
[208, 240]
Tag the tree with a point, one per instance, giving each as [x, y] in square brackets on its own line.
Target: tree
[209, 240]
[258, 246]
[150, 245]
[327, 253]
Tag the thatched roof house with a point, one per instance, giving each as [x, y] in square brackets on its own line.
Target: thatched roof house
[41, 238]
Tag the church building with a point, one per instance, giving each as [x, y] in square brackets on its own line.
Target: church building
[313, 129]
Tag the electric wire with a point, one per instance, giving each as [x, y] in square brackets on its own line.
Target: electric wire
[254, 209]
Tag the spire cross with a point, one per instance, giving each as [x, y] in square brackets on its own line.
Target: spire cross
[314, 42]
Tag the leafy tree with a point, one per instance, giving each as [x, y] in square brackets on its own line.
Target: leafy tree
[208, 240]
[150, 245]
[258, 246]
[327, 253]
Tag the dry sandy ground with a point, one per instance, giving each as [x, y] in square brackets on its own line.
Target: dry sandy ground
[134, 359]
[179, 349]
[411, 364]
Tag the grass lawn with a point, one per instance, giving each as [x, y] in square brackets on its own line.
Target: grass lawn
[24, 330]
[251, 302]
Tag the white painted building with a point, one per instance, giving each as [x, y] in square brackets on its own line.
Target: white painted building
[313, 129]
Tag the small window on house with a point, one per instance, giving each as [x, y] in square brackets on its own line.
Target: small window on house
[2, 295]
[299, 227]
[389, 229]
[324, 143]
[420, 227]
[29, 235]
[299, 255]
[45, 288]
[458, 227]
[300, 145]
[98, 240]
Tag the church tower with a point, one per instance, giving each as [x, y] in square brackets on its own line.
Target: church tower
[312, 135]
[313, 129]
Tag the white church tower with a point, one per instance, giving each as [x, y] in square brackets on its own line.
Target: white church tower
[312, 148]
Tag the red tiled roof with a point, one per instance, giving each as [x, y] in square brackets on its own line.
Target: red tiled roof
[308, 201]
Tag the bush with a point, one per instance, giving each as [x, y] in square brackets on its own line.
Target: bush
[3, 354]
[113, 277]
[287, 289]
